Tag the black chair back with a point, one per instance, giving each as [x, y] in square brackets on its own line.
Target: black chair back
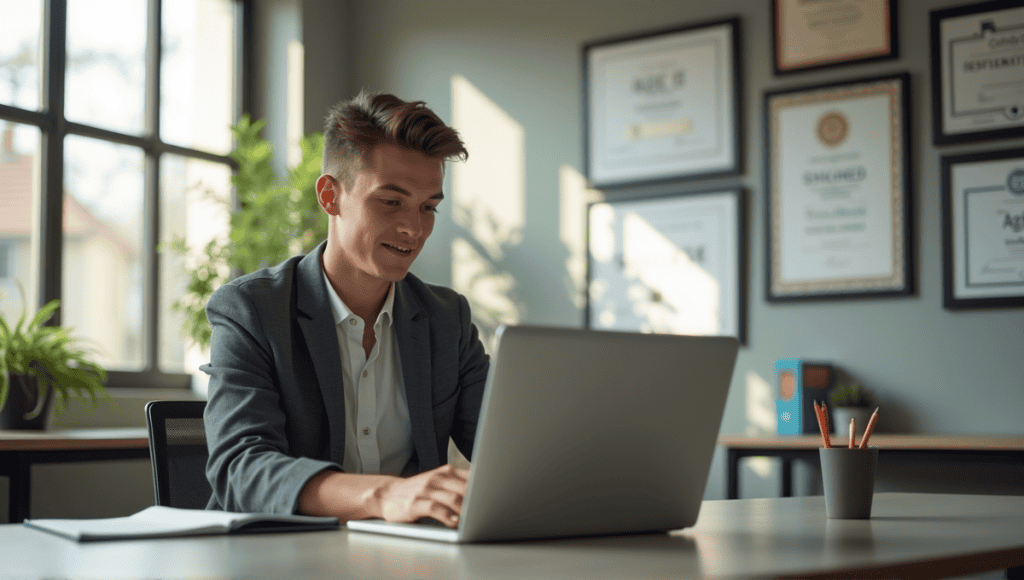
[177, 448]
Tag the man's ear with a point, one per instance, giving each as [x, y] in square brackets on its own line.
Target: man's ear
[327, 193]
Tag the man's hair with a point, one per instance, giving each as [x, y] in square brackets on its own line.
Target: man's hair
[356, 126]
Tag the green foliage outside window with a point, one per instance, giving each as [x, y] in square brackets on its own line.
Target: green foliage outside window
[275, 219]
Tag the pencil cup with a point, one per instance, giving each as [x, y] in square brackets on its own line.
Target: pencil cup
[848, 477]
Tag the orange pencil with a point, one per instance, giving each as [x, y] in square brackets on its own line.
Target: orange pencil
[853, 432]
[824, 419]
[869, 429]
[821, 426]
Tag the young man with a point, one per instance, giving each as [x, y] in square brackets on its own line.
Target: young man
[336, 378]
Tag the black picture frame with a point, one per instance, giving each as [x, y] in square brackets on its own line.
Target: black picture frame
[960, 197]
[668, 159]
[944, 109]
[887, 51]
[894, 90]
[732, 210]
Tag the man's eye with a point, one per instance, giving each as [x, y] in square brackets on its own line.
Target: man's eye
[391, 202]
[431, 208]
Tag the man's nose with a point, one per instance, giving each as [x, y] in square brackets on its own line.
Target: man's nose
[410, 222]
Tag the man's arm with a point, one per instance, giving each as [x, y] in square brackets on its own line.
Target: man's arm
[436, 494]
[250, 467]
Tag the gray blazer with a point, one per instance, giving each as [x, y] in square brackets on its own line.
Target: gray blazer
[276, 410]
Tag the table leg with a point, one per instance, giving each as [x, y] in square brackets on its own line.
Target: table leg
[732, 475]
[787, 477]
[19, 492]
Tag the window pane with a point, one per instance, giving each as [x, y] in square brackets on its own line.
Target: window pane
[106, 60]
[198, 74]
[19, 197]
[19, 52]
[103, 275]
[189, 189]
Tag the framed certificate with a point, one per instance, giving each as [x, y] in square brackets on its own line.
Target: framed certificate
[838, 212]
[826, 33]
[662, 105]
[978, 72]
[670, 264]
[983, 229]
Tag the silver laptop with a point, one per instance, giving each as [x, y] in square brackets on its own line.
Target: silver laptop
[586, 432]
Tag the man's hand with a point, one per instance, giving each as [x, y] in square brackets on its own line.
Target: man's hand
[433, 494]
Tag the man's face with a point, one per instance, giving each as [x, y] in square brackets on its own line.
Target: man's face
[387, 214]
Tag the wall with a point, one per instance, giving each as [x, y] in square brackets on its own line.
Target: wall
[937, 371]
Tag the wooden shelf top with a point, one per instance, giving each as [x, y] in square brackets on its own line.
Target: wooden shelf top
[67, 439]
[882, 441]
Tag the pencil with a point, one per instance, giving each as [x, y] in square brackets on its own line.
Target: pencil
[824, 419]
[869, 429]
[821, 426]
[853, 432]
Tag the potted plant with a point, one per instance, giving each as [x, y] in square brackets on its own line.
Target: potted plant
[850, 399]
[274, 219]
[39, 364]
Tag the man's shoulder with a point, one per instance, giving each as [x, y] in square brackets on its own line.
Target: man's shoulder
[269, 282]
[430, 295]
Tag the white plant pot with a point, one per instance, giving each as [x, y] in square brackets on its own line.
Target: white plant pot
[841, 420]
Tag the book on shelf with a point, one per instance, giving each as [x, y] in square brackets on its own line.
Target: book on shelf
[163, 522]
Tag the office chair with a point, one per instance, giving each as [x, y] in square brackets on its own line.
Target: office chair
[177, 448]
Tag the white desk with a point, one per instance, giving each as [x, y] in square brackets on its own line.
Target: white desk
[910, 536]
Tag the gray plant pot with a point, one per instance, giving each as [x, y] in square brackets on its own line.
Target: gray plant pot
[24, 408]
[841, 420]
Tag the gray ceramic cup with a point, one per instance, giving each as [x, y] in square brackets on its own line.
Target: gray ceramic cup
[848, 477]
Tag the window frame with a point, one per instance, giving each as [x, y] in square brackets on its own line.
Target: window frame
[54, 127]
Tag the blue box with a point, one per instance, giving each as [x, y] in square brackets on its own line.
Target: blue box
[798, 384]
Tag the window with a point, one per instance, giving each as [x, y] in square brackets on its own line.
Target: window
[113, 115]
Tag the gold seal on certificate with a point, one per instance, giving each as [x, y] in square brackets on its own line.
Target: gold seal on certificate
[832, 128]
[983, 223]
[837, 217]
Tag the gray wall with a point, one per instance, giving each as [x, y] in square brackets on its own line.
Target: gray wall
[936, 371]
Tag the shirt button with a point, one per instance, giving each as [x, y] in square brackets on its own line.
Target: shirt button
[366, 430]
[352, 321]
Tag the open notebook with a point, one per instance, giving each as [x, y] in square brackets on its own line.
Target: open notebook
[162, 521]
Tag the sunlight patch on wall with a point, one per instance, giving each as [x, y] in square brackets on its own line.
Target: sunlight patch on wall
[573, 197]
[761, 417]
[489, 188]
[488, 205]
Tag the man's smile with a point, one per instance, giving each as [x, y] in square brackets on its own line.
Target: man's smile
[400, 249]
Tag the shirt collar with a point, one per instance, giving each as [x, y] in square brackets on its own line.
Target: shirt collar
[341, 311]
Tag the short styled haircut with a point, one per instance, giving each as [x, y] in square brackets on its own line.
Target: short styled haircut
[356, 126]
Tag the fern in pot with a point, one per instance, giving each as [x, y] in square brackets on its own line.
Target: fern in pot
[41, 365]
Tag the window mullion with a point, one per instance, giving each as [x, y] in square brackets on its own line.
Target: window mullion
[151, 202]
[51, 227]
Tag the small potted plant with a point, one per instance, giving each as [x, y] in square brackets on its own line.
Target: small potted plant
[39, 364]
[850, 399]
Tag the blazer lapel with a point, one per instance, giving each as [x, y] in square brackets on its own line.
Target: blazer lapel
[412, 328]
[317, 324]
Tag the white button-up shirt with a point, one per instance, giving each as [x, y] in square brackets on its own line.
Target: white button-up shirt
[378, 435]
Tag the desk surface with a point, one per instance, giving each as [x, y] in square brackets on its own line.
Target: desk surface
[907, 441]
[61, 440]
[910, 536]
